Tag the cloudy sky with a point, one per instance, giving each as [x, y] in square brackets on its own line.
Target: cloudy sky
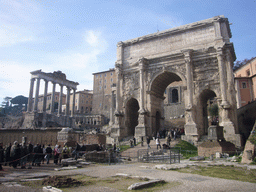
[79, 37]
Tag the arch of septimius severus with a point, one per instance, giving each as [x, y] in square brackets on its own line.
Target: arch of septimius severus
[200, 55]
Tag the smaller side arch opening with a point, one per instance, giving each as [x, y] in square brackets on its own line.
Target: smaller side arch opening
[132, 114]
[207, 108]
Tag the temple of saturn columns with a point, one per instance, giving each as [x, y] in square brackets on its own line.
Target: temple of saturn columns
[50, 118]
[35, 119]
[200, 56]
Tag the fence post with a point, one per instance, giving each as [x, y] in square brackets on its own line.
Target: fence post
[170, 156]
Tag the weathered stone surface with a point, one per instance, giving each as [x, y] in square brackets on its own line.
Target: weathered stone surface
[249, 150]
[144, 184]
[212, 147]
[197, 158]
[51, 189]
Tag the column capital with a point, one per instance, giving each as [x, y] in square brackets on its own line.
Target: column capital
[118, 65]
[187, 55]
[142, 62]
[187, 52]
[219, 51]
[120, 44]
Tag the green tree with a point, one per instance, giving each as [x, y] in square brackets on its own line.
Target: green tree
[213, 110]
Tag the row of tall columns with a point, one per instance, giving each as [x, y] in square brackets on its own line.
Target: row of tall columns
[189, 105]
[141, 69]
[53, 97]
[34, 107]
[118, 70]
[67, 101]
[223, 77]
[73, 102]
[118, 74]
[188, 63]
[37, 94]
[60, 100]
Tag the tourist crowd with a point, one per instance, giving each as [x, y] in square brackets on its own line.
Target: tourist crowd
[32, 155]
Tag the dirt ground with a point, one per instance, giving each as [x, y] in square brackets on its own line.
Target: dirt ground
[187, 181]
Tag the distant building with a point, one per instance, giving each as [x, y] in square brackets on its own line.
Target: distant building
[245, 83]
[83, 101]
[102, 92]
[48, 102]
[173, 103]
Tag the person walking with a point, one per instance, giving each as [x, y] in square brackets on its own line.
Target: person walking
[158, 143]
[168, 140]
[148, 142]
[134, 141]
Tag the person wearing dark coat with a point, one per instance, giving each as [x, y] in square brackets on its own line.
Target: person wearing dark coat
[148, 141]
[1, 155]
[24, 152]
[30, 151]
[36, 156]
[8, 154]
[48, 152]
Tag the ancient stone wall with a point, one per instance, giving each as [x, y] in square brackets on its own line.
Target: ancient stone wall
[246, 116]
[41, 136]
[47, 136]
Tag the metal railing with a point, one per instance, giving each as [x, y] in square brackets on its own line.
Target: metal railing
[159, 156]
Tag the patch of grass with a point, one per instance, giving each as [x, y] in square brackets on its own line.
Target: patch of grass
[33, 184]
[124, 147]
[119, 183]
[186, 149]
[224, 172]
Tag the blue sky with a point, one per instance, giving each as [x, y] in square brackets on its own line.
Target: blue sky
[79, 37]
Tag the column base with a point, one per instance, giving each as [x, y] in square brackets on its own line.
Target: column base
[193, 139]
[190, 129]
[117, 132]
[230, 135]
[140, 130]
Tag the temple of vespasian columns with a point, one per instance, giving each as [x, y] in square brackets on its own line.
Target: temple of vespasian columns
[200, 55]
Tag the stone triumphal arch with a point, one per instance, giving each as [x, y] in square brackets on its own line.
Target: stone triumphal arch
[199, 55]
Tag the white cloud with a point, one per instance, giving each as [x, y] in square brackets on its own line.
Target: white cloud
[94, 39]
[18, 22]
[14, 79]
[79, 65]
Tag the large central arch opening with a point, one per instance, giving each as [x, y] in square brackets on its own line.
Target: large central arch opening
[168, 110]
[132, 108]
